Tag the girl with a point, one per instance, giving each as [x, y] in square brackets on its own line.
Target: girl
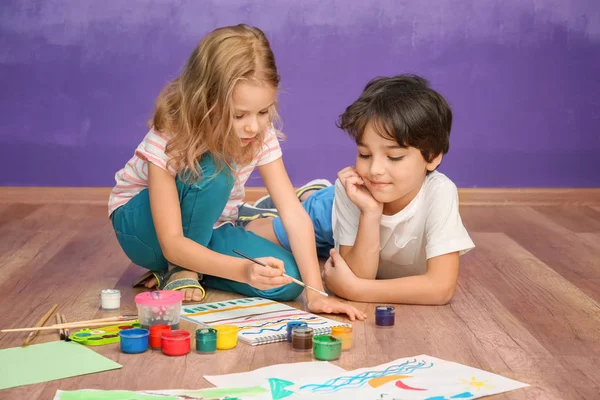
[175, 202]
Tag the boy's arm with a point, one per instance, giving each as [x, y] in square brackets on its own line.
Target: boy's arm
[435, 287]
[358, 217]
[363, 257]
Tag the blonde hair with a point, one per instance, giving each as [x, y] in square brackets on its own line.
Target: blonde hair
[194, 109]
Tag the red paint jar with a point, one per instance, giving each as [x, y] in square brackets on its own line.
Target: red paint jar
[155, 335]
[176, 343]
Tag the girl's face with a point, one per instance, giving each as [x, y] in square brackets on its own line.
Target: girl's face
[250, 104]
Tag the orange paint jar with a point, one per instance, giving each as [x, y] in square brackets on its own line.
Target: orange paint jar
[344, 333]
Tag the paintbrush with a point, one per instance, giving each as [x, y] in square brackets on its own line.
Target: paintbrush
[284, 274]
[55, 327]
[40, 323]
[61, 333]
[114, 319]
[64, 321]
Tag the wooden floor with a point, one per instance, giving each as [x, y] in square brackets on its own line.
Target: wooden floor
[526, 306]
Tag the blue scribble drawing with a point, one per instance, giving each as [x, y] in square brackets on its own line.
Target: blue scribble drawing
[284, 326]
[277, 321]
[356, 381]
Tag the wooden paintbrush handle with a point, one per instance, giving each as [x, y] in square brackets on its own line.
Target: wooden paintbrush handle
[55, 327]
[40, 323]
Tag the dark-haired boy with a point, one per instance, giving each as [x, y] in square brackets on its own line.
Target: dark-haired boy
[392, 217]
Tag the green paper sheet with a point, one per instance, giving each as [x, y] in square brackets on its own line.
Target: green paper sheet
[49, 361]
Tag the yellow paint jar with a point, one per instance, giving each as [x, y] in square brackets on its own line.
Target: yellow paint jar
[226, 336]
[344, 333]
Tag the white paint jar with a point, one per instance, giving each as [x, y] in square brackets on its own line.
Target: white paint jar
[111, 299]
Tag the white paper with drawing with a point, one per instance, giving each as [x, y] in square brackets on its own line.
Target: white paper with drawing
[260, 320]
[422, 377]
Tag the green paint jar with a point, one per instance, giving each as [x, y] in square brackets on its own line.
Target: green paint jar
[206, 340]
[327, 347]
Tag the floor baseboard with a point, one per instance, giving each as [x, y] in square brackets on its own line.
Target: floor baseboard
[467, 196]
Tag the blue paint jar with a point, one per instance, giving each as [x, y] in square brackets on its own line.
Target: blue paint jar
[385, 316]
[291, 325]
[134, 340]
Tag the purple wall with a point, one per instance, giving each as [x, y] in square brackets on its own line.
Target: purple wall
[79, 79]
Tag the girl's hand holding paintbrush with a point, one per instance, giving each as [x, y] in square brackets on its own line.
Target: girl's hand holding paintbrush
[266, 278]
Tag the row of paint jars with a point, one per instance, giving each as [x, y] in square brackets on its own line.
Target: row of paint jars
[177, 342]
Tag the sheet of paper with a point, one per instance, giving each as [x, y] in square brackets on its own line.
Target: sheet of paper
[49, 361]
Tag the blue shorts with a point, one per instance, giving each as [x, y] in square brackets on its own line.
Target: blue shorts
[319, 207]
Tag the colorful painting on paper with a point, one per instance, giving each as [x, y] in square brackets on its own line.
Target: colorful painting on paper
[422, 377]
[260, 320]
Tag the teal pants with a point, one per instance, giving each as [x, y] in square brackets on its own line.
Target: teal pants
[201, 205]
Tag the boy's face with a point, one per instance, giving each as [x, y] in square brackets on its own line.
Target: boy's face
[393, 174]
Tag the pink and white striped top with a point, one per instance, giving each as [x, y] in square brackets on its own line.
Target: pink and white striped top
[133, 178]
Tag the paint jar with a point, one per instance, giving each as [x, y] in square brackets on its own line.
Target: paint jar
[302, 338]
[327, 347]
[291, 325]
[385, 316]
[176, 343]
[344, 333]
[134, 340]
[155, 335]
[206, 340]
[110, 299]
[226, 336]
[159, 307]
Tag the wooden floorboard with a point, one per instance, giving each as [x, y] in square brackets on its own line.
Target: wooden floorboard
[526, 306]
[552, 243]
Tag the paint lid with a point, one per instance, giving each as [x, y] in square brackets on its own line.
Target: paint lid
[293, 324]
[134, 333]
[178, 334]
[302, 331]
[341, 330]
[110, 293]
[326, 340]
[385, 310]
[206, 333]
[226, 329]
[159, 298]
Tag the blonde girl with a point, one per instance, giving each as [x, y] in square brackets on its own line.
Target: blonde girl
[175, 202]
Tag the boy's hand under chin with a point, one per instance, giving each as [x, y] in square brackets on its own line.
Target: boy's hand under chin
[338, 276]
[317, 303]
[358, 193]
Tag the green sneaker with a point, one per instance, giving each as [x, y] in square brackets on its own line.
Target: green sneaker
[248, 213]
[265, 202]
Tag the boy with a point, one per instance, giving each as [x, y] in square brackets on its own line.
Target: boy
[393, 218]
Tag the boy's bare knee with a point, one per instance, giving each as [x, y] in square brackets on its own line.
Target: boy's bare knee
[263, 227]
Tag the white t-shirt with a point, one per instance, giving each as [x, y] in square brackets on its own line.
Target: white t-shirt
[429, 226]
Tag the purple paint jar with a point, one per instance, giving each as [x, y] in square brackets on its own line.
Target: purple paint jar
[385, 316]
